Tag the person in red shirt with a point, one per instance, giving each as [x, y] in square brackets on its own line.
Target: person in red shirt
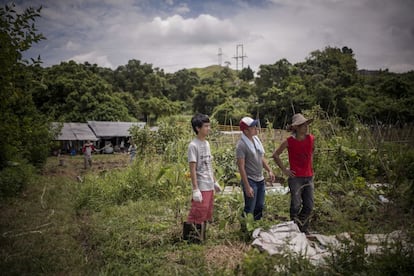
[300, 146]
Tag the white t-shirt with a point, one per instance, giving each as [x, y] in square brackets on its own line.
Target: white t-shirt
[199, 152]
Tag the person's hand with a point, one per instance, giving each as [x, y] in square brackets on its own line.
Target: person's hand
[217, 187]
[272, 177]
[197, 196]
[289, 173]
[249, 191]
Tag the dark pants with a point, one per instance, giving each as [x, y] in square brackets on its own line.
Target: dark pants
[254, 205]
[301, 200]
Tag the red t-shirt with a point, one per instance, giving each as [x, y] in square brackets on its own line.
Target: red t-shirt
[300, 155]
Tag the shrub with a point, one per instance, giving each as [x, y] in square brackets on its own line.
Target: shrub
[13, 179]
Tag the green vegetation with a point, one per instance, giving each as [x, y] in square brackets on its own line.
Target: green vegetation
[207, 72]
[24, 133]
[127, 219]
[328, 78]
[57, 218]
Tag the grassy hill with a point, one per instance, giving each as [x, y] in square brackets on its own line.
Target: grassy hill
[209, 71]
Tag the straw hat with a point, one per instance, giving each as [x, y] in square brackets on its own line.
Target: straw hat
[298, 119]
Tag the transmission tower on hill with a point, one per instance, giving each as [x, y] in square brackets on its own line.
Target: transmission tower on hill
[239, 56]
[220, 54]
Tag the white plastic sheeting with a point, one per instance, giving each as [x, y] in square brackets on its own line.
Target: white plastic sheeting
[285, 238]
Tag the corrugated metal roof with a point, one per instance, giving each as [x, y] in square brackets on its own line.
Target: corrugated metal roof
[113, 129]
[75, 132]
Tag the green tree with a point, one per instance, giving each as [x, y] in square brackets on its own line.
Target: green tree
[273, 75]
[246, 74]
[73, 92]
[131, 77]
[281, 91]
[155, 107]
[141, 80]
[207, 97]
[183, 82]
[130, 103]
[385, 97]
[24, 132]
[231, 111]
[327, 76]
[155, 86]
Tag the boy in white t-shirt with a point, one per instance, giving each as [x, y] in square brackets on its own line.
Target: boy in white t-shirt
[202, 179]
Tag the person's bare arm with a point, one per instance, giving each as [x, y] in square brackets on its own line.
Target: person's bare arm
[276, 156]
[193, 175]
[243, 175]
[268, 169]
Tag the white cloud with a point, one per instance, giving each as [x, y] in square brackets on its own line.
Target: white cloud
[204, 29]
[92, 58]
[174, 35]
[71, 46]
[182, 9]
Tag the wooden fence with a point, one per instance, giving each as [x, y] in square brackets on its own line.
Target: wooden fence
[234, 132]
[394, 134]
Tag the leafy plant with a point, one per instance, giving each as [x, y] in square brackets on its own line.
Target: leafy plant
[14, 178]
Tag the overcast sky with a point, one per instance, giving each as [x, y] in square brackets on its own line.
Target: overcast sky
[175, 34]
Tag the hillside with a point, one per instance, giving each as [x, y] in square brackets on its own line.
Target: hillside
[208, 72]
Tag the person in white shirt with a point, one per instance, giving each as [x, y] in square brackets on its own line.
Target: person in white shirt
[202, 180]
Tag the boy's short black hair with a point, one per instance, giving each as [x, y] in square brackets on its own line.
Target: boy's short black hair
[198, 120]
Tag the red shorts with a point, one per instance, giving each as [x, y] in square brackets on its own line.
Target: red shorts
[202, 211]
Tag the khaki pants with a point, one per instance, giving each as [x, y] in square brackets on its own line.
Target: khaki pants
[87, 161]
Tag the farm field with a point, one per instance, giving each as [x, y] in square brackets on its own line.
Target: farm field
[126, 219]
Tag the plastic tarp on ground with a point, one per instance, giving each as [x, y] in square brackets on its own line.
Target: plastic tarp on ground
[285, 238]
[113, 129]
[74, 132]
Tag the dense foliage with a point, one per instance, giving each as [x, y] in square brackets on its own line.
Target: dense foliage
[24, 132]
[328, 78]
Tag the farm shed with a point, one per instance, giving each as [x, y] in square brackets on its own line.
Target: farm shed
[104, 134]
[73, 135]
[74, 132]
[108, 130]
[113, 132]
